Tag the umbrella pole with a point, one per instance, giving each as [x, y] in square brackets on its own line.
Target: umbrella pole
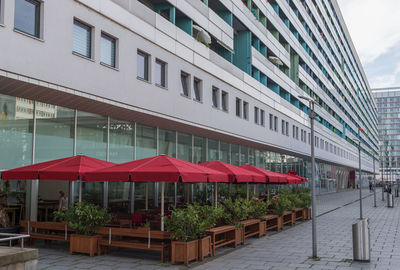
[147, 197]
[162, 206]
[254, 189]
[175, 190]
[247, 191]
[80, 190]
[267, 192]
[216, 194]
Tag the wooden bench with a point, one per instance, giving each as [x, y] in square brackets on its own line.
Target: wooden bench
[251, 227]
[272, 222]
[140, 238]
[228, 233]
[54, 231]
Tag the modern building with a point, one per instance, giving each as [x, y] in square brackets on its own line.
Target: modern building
[388, 105]
[200, 80]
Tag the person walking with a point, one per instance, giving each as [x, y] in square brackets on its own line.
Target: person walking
[62, 201]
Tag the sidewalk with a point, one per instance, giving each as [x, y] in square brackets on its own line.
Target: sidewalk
[289, 249]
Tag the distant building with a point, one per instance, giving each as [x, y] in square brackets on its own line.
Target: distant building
[388, 103]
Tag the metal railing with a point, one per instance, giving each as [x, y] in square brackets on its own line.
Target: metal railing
[14, 236]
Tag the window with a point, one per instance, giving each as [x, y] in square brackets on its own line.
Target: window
[238, 107]
[262, 117]
[301, 136]
[276, 123]
[245, 110]
[184, 84]
[215, 97]
[82, 39]
[256, 115]
[283, 127]
[309, 138]
[27, 17]
[297, 133]
[294, 131]
[161, 73]
[287, 129]
[224, 98]
[271, 122]
[108, 50]
[143, 65]
[197, 89]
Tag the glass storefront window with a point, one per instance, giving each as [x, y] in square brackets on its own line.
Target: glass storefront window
[244, 155]
[91, 141]
[121, 149]
[213, 151]
[199, 149]
[185, 146]
[146, 141]
[167, 142]
[54, 132]
[122, 146]
[235, 158]
[224, 152]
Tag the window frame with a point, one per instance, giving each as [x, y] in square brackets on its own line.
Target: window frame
[276, 123]
[91, 28]
[224, 101]
[38, 28]
[238, 106]
[2, 6]
[262, 117]
[271, 121]
[287, 128]
[147, 58]
[283, 127]
[200, 86]
[215, 97]
[164, 65]
[105, 35]
[187, 79]
[256, 115]
[245, 110]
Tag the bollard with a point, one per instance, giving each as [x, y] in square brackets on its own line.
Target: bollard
[390, 200]
[361, 244]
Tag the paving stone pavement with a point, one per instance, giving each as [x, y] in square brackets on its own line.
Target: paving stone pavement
[289, 249]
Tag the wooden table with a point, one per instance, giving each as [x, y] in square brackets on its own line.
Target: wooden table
[251, 227]
[46, 206]
[272, 222]
[228, 232]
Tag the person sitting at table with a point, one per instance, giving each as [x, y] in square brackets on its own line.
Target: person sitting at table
[62, 201]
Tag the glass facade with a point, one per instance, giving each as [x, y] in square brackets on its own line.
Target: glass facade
[59, 129]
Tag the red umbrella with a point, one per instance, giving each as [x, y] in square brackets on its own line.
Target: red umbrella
[294, 173]
[271, 176]
[235, 173]
[290, 179]
[67, 169]
[160, 168]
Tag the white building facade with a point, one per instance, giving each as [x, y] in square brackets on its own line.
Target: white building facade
[199, 80]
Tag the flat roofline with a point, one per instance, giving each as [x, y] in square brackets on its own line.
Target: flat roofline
[385, 89]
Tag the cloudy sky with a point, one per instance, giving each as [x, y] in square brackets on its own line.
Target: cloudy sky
[374, 26]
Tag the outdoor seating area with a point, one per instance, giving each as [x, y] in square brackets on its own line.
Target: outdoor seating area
[180, 231]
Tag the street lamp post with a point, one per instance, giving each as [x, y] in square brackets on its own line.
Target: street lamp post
[383, 189]
[312, 116]
[373, 164]
[359, 168]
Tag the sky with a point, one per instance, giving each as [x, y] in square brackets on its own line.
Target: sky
[374, 27]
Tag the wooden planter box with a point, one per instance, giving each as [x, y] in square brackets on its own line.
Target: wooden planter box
[287, 218]
[204, 247]
[262, 228]
[309, 213]
[83, 244]
[239, 236]
[184, 251]
[280, 223]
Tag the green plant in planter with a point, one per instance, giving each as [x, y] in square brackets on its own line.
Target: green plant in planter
[305, 200]
[184, 224]
[280, 203]
[259, 209]
[208, 217]
[295, 199]
[235, 211]
[85, 218]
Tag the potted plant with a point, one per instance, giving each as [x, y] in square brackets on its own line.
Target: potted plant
[235, 211]
[296, 202]
[85, 219]
[208, 219]
[259, 211]
[280, 206]
[305, 204]
[183, 226]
